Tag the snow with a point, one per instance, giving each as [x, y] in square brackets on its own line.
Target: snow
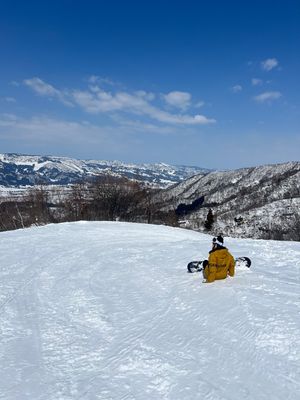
[258, 197]
[106, 310]
[61, 169]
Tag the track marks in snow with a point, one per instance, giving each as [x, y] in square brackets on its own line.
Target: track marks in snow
[107, 311]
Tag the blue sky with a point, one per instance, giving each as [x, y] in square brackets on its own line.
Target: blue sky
[208, 83]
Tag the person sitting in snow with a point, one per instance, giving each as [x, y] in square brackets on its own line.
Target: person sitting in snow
[220, 262]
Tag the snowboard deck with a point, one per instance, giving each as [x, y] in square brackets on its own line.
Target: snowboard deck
[197, 266]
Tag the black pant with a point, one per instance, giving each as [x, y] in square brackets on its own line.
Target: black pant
[204, 265]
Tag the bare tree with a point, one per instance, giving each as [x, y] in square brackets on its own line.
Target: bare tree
[38, 199]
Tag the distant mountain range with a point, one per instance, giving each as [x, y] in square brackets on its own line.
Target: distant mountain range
[18, 170]
[259, 202]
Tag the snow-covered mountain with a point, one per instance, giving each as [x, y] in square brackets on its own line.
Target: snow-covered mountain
[20, 170]
[103, 310]
[261, 202]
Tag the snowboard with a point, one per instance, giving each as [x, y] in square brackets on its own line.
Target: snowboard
[197, 266]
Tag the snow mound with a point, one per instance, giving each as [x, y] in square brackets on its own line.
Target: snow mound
[103, 310]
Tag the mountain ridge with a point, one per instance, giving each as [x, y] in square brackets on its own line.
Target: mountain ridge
[261, 202]
[26, 170]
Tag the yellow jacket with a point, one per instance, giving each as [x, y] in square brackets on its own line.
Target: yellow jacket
[220, 264]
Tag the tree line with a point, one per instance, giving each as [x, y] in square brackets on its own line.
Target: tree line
[109, 198]
[106, 198]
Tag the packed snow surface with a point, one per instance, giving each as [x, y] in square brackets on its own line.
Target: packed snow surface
[104, 310]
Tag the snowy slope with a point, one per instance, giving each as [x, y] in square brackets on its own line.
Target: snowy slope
[261, 202]
[106, 310]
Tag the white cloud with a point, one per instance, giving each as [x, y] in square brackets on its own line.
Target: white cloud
[7, 119]
[102, 101]
[14, 83]
[256, 82]
[269, 64]
[148, 96]
[45, 89]
[100, 80]
[236, 88]
[267, 97]
[96, 100]
[9, 99]
[43, 135]
[178, 99]
[93, 79]
[139, 126]
[199, 104]
[43, 130]
[163, 116]
[41, 87]
[40, 134]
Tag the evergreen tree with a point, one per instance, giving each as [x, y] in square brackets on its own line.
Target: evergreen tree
[209, 220]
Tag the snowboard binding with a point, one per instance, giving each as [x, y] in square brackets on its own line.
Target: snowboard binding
[194, 266]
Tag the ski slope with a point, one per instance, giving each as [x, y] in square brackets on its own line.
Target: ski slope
[106, 310]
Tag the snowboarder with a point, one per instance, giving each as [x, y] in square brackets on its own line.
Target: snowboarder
[220, 262]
